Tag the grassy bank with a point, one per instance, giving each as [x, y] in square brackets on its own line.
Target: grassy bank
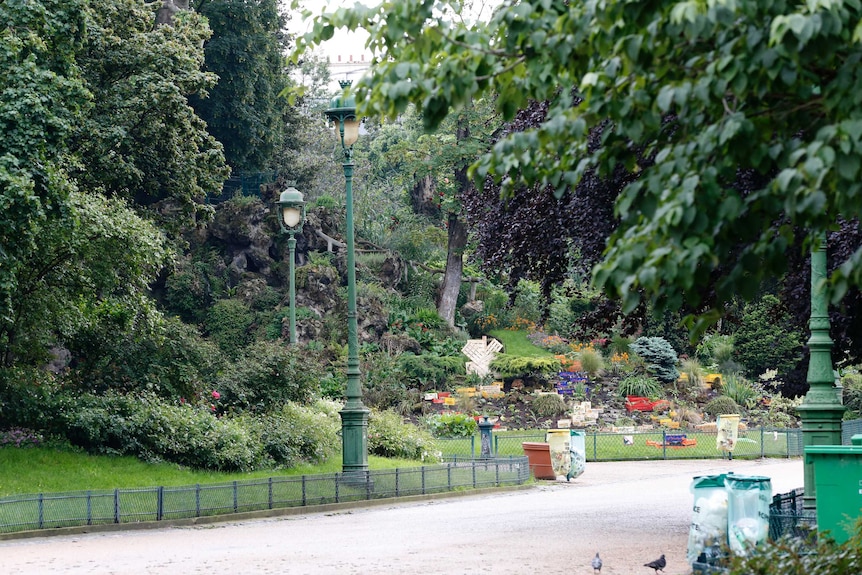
[46, 470]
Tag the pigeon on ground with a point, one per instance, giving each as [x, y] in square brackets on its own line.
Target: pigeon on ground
[597, 563]
[658, 564]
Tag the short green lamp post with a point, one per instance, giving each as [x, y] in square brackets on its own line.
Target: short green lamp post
[291, 220]
[821, 410]
[486, 450]
[354, 415]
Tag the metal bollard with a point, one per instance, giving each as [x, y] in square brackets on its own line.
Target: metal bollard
[485, 428]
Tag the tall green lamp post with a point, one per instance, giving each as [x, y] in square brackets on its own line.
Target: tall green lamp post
[354, 415]
[292, 218]
[821, 410]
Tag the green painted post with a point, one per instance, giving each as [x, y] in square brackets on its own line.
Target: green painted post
[291, 247]
[354, 415]
[762, 450]
[821, 410]
[291, 219]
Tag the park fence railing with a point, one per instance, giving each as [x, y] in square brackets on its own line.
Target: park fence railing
[752, 443]
[850, 428]
[100, 507]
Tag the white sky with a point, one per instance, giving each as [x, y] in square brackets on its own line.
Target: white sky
[346, 47]
[343, 44]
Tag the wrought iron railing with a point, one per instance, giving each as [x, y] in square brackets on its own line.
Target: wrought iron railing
[99, 507]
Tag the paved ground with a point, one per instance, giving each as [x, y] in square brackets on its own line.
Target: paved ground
[629, 511]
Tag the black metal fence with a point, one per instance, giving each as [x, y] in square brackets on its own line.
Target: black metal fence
[99, 507]
[787, 516]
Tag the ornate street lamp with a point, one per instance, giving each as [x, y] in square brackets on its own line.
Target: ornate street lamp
[821, 410]
[354, 415]
[291, 220]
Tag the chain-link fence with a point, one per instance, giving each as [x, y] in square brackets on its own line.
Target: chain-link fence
[850, 428]
[40, 511]
[654, 444]
[243, 184]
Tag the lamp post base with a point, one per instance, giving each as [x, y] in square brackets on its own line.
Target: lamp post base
[354, 437]
[821, 425]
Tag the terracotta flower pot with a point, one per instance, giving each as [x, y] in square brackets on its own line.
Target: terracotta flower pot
[539, 456]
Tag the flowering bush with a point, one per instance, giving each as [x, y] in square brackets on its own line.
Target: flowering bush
[569, 363]
[152, 429]
[522, 324]
[389, 436]
[20, 437]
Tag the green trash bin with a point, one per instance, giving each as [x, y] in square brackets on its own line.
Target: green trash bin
[748, 499]
[838, 486]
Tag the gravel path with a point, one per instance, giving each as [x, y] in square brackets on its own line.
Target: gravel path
[631, 512]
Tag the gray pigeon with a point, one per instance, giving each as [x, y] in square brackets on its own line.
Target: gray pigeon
[597, 563]
[658, 564]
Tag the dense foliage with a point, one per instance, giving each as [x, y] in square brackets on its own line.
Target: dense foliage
[704, 91]
[243, 110]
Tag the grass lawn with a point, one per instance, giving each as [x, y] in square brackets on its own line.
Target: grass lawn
[46, 470]
[516, 343]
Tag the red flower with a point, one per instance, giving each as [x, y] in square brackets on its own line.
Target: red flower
[216, 395]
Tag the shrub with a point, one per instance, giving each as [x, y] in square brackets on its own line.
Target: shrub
[548, 405]
[787, 557]
[740, 390]
[766, 339]
[28, 398]
[21, 437]
[620, 345]
[528, 302]
[296, 433]
[268, 375]
[591, 361]
[430, 371]
[519, 366]
[692, 368]
[227, 324]
[152, 430]
[852, 383]
[383, 384]
[149, 428]
[451, 425]
[782, 412]
[389, 436]
[659, 356]
[639, 385]
[714, 349]
[721, 405]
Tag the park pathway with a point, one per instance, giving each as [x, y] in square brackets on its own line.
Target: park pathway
[631, 512]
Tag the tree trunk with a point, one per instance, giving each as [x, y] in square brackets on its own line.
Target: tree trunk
[457, 236]
[451, 286]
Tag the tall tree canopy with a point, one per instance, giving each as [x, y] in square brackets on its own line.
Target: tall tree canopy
[142, 141]
[42, 96]
[244, 111]
[96, 126]
[686, 95]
